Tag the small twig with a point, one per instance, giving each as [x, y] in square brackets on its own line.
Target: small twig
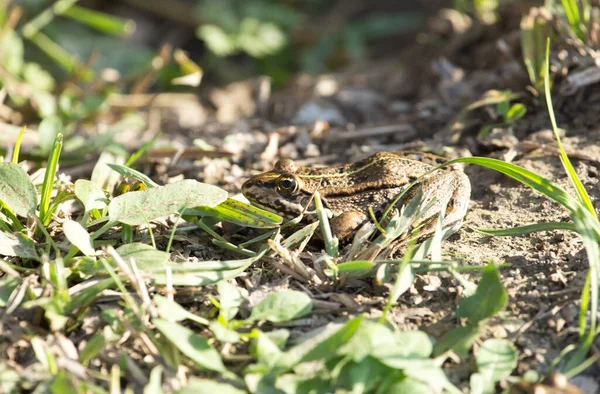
[287, 270]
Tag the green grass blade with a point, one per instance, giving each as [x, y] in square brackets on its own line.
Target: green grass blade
[579, 189]
[45, 17]
[48, 185]
[60, 56]
[331, 244]
[529, 178]
[133, 174]
[404, 279]
[585, 303]
[590, 238]
[528, 229]
[15, 158]
[574, 17]
[140, 152]
[101, 21]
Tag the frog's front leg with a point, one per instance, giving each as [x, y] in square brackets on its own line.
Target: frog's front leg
[346, 224]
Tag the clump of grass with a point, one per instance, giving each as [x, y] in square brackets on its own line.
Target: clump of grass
[59, 262]
[536, 28]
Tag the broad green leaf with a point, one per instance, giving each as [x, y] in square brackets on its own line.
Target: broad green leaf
[408, 385]
[370, 339]
[16, 190]
[192, 345]
[79, 237]
[496, 359]
[364, 375]
[7, 285]
[267, 352]
[458, 339]
[489, 298]
[136, 208]
[230, 300]
[91, 195]
[431, 374]
[207, 386]
[217, 40]
[282, 306]
[154, 385]
[258, 38]
[222, 333]
[145, 256]
[401, 355]
[17, 244]
[479, 384]
[238, 212]
[279, 337]
[424, 370]
[294, 383]
[516, 112]
[323, 346]
[173, 312]
[414, 344]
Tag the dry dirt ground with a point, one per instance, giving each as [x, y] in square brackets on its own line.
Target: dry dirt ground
[409, 100]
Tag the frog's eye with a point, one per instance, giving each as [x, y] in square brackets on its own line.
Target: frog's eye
[286, 184]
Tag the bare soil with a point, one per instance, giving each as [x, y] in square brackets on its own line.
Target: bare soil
[409, 99]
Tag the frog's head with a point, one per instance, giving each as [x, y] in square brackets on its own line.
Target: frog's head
[278, 191]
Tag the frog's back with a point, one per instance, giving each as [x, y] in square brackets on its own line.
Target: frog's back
[382, 170]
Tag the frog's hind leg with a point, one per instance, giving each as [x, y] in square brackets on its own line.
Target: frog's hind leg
[456, 205]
